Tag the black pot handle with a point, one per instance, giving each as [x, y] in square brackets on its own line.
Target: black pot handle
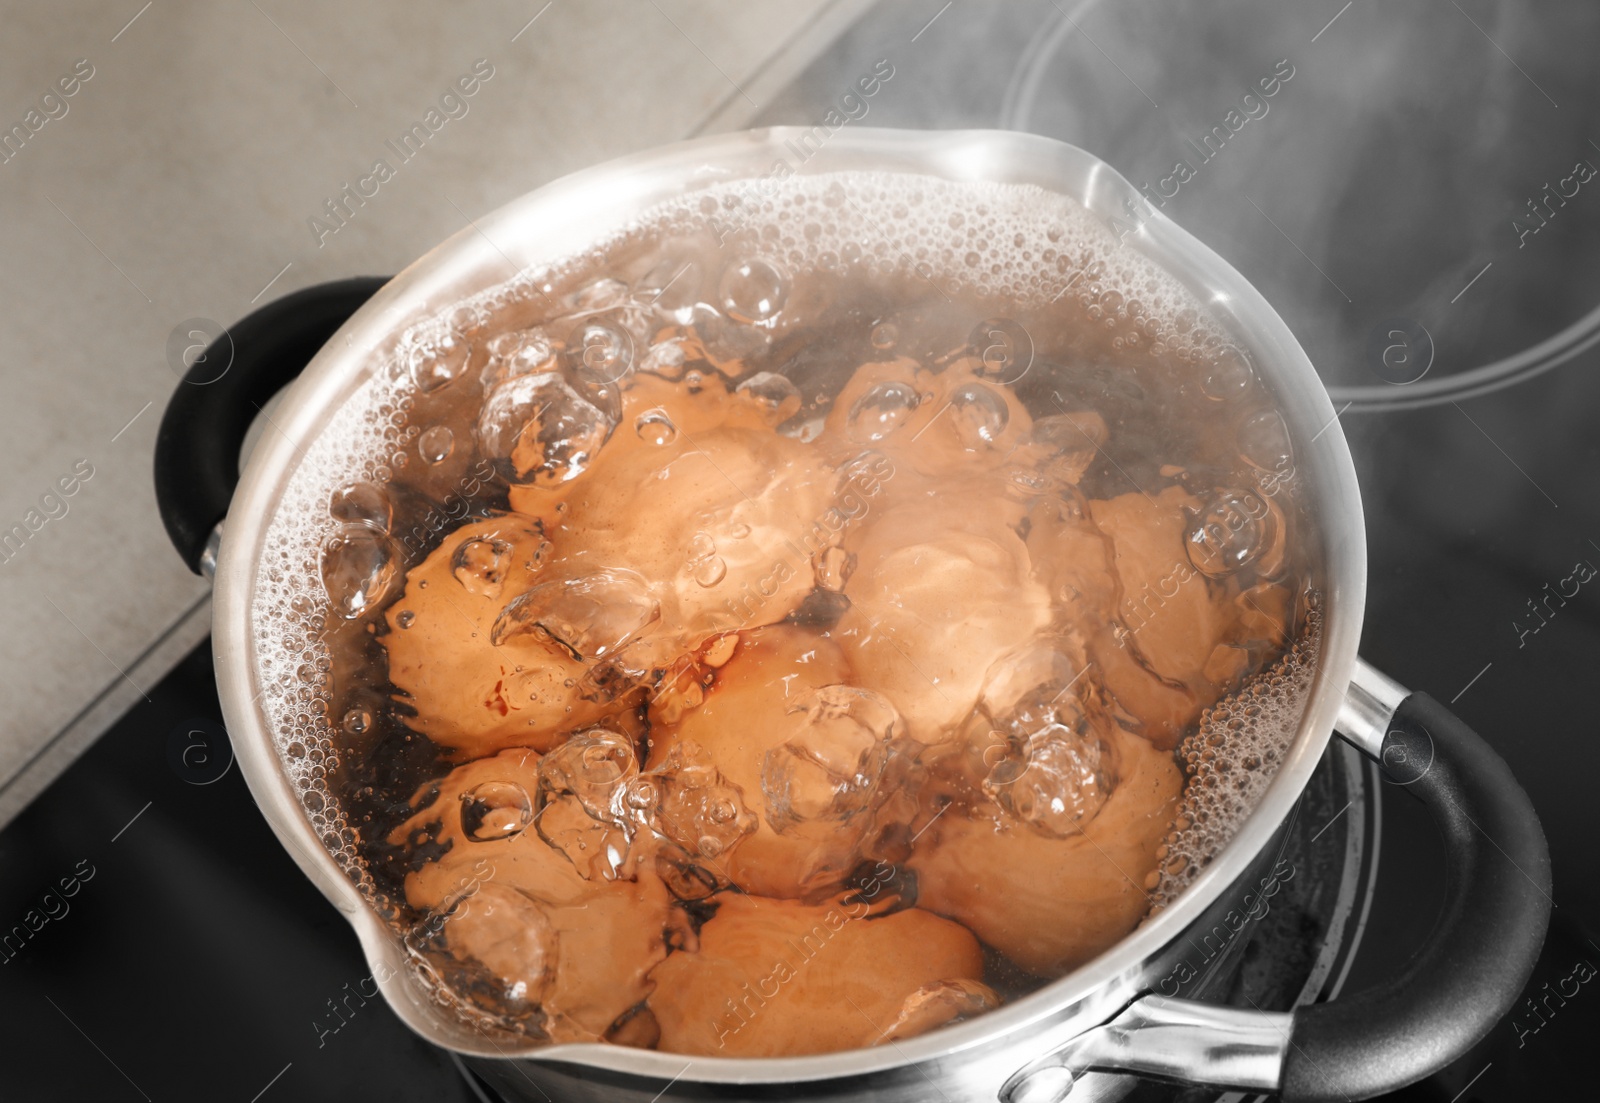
[197, 447]
[1479, 955]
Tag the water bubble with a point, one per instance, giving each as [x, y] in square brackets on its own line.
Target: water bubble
[1005, 348]
[1055, 784]
[1036, 745]
[885, 336]
[1229, 375]
[406, 618]
[779, 398]
[643, 796]
[509, 934]
[503, 345]
[521, 352]
[536, 429]
[602, 294]
[979, 415]
[655, 427]
[596, 767]
[752, 291]
[1264, 441]
[832, 766]
[436, 365]
[671, 286]
[726, 343]
[705, 565]
[466, 319]
[361, 504]
[591, 617]
[603, 353]
[882, 410]
[665, 358]
[358, 564]
[1232, 531]
[436, 444]
[697, 803]
[358, 721]
[480, 565]
[495, 810]
[710, 571]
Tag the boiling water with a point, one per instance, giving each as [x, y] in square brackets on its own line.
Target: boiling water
[858, 579]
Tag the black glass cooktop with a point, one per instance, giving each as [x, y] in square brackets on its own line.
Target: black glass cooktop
[158, 943]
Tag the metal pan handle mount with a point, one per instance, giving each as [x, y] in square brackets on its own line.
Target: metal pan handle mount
[197, 447]
[1454, 989]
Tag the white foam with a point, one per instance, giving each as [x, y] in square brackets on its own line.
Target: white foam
[1232, 757]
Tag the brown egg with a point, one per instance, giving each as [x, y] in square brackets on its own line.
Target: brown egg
[942, 587]
[1073, 559]
[1184, 638]
[806, 752]
[1050, 904]
[696, 494]
[779, 978]
[577, 948]
[470, 693]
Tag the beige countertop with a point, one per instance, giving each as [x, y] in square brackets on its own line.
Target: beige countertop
[179, 180]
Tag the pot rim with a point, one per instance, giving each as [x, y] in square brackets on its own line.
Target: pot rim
[1322, 457]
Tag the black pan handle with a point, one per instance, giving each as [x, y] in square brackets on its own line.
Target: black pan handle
[197, 448]
[1478, 957]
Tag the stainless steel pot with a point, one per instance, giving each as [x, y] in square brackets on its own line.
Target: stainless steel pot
[1119, 1012]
